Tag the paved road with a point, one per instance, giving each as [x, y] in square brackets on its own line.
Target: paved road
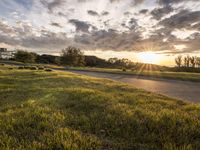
[184, 90]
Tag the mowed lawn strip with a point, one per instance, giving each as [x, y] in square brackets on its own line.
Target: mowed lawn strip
[58, 110]
[185, 76]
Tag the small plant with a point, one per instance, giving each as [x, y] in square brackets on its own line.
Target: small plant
[21, 67]
[33, 68]
[161, 70]
[133, 69]
[48, 70]
[26, 67]
[2, 64]
[40, 68]
[10, 68]
[124, 69]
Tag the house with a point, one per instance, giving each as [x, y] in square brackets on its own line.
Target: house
[6, 54]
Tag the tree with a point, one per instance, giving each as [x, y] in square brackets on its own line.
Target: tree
[48, 59]
[193, 61]
[72, 56]
[24, 56]
[112, 60]
[178, 61]
[198, 61]
[187, 61]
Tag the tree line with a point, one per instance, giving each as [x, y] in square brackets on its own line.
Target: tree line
[187, 61]
[72, 56]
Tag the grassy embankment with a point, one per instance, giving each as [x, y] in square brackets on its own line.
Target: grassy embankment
[58, 110]
[186, 76]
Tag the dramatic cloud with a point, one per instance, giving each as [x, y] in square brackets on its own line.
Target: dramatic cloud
[169, 2]
[168, 26]
[158, 13]
[108, 40]
[80, 25]
[92, 13]
[183, 19]
[56, 24]
[25, 36]
[143, 11]
[105, 13]
[53, 4]
[133, 2]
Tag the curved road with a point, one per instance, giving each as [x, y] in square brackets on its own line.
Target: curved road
[184, 90]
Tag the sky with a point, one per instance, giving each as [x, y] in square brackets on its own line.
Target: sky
[133, 29]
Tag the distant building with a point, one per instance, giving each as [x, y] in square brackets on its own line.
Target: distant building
[5, 54]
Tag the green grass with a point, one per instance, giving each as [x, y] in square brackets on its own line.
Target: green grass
[157, 74]
[58, 110]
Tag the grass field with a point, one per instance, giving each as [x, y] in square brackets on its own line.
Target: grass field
[158, 74]
[58, 110]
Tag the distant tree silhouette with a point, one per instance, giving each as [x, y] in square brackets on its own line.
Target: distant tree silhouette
[113, 60]
[190, 64]
[197, 62]
[72, 56]
[187, 61]
[24, 56]
[94, 61]
[192, 61]
[178, 61]
[48, 59]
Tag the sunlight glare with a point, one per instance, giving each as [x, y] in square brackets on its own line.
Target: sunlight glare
[149, 57]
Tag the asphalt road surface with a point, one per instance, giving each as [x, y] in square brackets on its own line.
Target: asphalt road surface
[183, 90]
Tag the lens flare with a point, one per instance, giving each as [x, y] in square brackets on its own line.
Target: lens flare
[149, 57]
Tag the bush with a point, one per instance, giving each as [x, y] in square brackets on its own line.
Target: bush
[133, 69]
[10, 68]
[40, 68]
[21, 67]
[33, 68]
[48, 70]
[162, 70]
[25, 57]
[29, 67]
[2, 64]
[124, 69]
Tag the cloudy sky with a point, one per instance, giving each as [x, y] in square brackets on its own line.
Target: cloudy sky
[105, 28]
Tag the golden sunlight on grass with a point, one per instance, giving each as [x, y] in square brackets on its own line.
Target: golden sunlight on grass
[149, 57]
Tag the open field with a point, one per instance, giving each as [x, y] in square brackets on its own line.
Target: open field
[58, 110]
[157, 74]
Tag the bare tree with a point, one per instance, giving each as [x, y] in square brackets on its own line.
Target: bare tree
[178, 61]
[192, 61]
[187, 61]
[198, 62]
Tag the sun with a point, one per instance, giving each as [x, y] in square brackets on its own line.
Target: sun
[149, 57]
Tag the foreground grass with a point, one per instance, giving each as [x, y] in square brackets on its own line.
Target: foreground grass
[57, 110]
[187, 76]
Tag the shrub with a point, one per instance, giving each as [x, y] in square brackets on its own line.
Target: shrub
[124, 69]
[26, 67]
[10, 68]
[162, 70]
[133, 69]
[40, 68]
[48, 70]
[25, 57]
[21, 67]
[2, 64]
[33, 68]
